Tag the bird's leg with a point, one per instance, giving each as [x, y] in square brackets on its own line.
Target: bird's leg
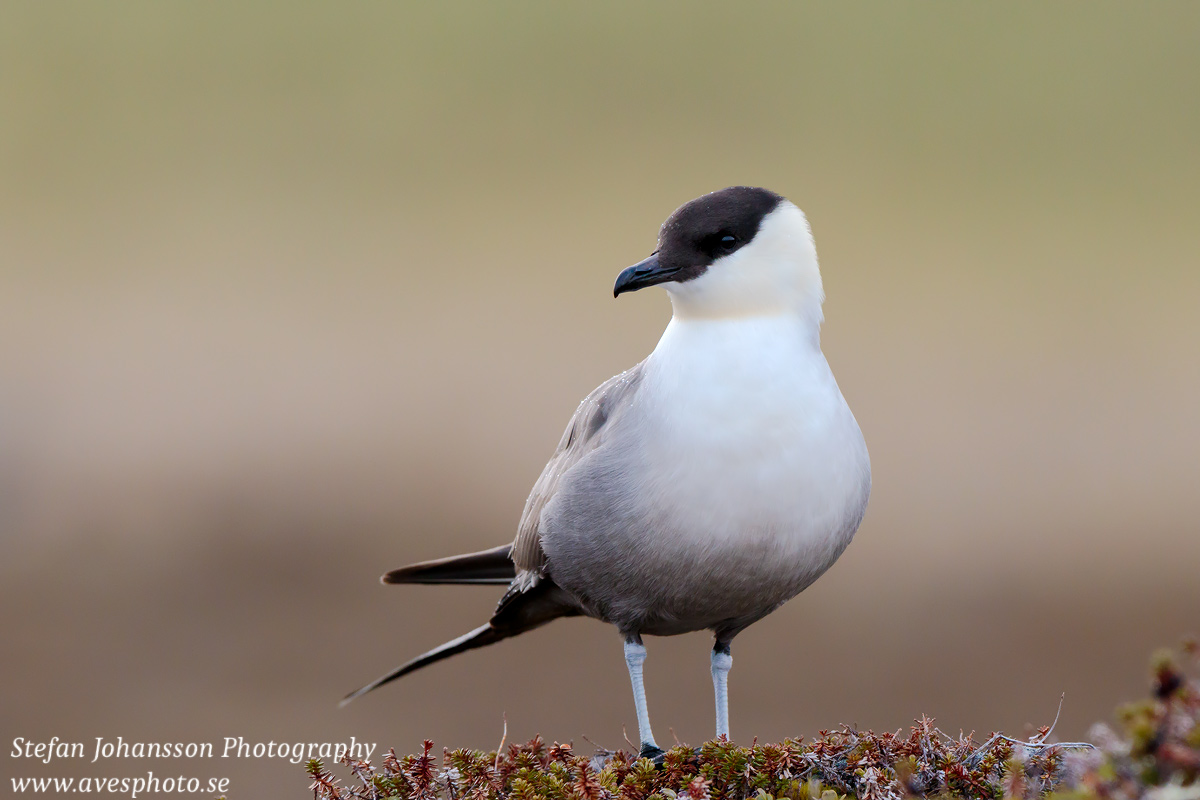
[635, 656]
[722, 661]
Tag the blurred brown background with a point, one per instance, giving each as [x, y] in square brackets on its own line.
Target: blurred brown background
[296, 293]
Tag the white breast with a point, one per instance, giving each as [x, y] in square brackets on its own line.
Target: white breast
[752, 450]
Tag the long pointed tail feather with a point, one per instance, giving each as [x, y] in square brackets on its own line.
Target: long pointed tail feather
[520, 610]
[488, 567]
[480, 637]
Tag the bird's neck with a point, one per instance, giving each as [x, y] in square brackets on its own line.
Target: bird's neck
[718, 342]
[800, 320]
[794, 295]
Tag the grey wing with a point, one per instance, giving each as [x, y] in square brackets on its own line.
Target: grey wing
[584, 434]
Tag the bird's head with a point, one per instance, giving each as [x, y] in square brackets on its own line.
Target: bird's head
[742, 251]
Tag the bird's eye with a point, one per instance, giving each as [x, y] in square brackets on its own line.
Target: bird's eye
[719, 243]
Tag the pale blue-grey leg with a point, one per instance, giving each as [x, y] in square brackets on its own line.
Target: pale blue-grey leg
[635, 656]
[722, 661]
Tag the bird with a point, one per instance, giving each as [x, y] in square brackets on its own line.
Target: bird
[706, 486]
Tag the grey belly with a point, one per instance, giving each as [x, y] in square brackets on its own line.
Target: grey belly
[636, 570]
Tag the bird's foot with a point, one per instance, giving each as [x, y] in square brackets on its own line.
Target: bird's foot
[652, 752]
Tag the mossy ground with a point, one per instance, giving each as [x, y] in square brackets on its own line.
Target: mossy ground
[1154, 754]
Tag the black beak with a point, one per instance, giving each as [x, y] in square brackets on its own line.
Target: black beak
[642, 274]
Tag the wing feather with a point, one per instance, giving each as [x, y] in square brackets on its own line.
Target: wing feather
[584, 433]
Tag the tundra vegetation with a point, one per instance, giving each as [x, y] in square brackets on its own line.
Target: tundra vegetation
[1153, 752]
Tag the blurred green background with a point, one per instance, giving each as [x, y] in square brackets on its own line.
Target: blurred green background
[292, 294]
